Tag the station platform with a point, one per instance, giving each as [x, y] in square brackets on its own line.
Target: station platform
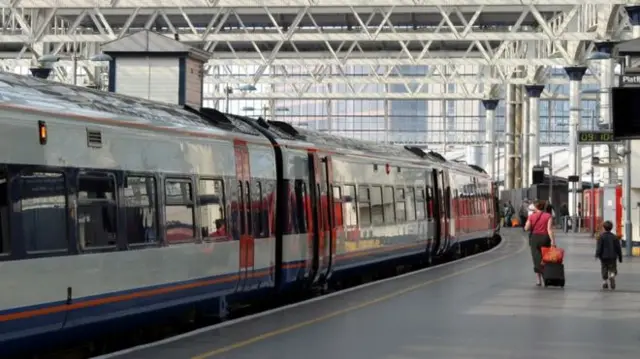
[482, 307]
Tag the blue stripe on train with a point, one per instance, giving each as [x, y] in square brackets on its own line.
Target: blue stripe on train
[47, 329]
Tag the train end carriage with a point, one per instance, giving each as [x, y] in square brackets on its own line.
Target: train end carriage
[114, 204]
[473, 205]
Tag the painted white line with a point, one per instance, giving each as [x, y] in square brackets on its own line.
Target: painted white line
[290, 306]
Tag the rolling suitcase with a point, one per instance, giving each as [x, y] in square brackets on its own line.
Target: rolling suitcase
[553, 274]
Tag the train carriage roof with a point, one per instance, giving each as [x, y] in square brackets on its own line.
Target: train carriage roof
[282, 130]
[48, 96]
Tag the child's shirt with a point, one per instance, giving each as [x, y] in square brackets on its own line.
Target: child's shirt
[608, 247]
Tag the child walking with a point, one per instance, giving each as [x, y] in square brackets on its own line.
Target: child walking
[608, 250]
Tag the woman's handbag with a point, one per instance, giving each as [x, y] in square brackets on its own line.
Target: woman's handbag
[552, 254]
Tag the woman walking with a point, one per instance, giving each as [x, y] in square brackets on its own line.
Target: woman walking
[540, 228]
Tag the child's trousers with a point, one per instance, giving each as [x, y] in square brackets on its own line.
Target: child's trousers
[608, 266]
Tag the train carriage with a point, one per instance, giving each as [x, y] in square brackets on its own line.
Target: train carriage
[115, 210]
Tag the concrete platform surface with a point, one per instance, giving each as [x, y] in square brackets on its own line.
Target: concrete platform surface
[485, 307]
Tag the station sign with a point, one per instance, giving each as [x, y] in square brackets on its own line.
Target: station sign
[631, 80]
[596, 137]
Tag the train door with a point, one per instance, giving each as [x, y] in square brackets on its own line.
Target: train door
[319, 216]
[243, 203]
[328, 208]
[445, 204]
[438, 213]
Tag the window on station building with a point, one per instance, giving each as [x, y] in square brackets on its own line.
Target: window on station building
[179, 211]
[97, 210]
[43, 203]
[140, 209]
[211, 208]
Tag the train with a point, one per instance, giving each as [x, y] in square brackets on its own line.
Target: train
[116, 211]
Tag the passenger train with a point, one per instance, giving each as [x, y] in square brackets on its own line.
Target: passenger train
[116, 210]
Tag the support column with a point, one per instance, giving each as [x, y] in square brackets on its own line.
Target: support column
[524, 152]
[517, 183]
[490, 135]
[509, 150]
[533, 152]
[575, 73]
[608, 175]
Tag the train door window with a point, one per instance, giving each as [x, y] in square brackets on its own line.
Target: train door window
[401, 210]
[389, 205]
[301, 197]
[43, 205]
[268, 208]
[411, 204]
[349, 208]
[140, 210]
[430, 202]
[247, 208]
[240, 212]
[211, 203]
[364, 210]
[337, 205]
[323, 208]
[255, 208]
[5, 239]
[447, 202]
[377, 210]
[97, 210]
[420, 208]
[179, 214]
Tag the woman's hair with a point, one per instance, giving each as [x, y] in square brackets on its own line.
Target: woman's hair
[540, 205]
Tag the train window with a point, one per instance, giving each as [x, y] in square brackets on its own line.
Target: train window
[377, 211]
[411, 204]
[430, 202]
[211, 208]
[268, 207]
[389, 205]
[247, 208]
[97, 210]
[301, 205]
[43, 204]
[337, 200]
[240, 211]
[179, 211]
[140, 209]
[420, 208]
[349, 206]
[5, 240]
[255, 206]
[364, 212]
[401, 210]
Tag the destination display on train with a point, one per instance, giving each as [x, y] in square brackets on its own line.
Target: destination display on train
[596, 137]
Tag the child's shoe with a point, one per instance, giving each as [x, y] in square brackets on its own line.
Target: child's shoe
[612, 280]
[605, 285]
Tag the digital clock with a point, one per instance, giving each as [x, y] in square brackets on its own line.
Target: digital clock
[596, 137]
